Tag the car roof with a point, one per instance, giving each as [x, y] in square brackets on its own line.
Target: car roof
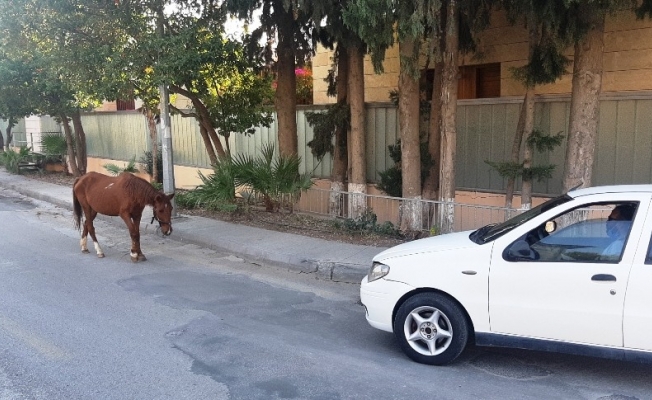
[611, 189]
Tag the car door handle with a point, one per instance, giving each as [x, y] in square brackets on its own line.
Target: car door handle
[603, 278]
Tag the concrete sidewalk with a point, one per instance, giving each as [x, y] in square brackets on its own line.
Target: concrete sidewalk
[341, 262]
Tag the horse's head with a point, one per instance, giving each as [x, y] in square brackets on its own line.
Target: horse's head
[163, 212]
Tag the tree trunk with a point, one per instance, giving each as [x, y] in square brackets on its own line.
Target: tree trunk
[286, 84]
[208, 144]
[515, 158]
[80, 142]
[70, 145]
[585, 102]
[358, 178]
[10, 135]
[527, 113]
[204, 119]
[408, 116]
[448, 119]
[153, 135]
[431, 185]
[340, 153]
[2, 142]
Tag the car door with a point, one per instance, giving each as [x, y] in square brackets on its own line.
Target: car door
[637, 321]
[563, 289]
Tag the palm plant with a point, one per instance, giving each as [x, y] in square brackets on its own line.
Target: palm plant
[117, 170]
[271, 177]
[54, 146]
[217, 191]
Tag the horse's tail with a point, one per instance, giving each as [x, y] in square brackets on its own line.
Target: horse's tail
[77, 209]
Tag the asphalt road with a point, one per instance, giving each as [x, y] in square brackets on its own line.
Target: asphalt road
[191, 323]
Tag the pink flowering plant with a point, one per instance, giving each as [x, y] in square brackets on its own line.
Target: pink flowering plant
[304, 85]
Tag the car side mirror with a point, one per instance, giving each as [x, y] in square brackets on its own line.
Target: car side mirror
[520, 250]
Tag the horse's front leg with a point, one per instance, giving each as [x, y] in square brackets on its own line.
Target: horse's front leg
[134, 231]
[140, 256]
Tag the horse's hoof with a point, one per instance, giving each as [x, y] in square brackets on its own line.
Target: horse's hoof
[141, 257]
[85, 251]
[134, 259]
[101, 255]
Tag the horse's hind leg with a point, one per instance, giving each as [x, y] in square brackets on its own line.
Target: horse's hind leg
[84, 239]
[90, 229]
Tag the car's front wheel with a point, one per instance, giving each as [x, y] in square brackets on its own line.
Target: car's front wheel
[431, 328]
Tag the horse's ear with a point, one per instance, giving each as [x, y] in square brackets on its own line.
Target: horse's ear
[170, 196]
[158, 198]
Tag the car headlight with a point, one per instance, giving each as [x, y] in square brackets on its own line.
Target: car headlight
[377, 271]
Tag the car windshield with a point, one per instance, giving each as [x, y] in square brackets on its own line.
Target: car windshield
[493, 231]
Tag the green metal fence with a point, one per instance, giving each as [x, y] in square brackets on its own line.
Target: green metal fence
[485, 132]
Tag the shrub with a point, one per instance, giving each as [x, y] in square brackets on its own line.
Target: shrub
[391, 180]
[54, 146]
[148, 162]
[304, 85]
[117, 170]
[12, 159]
[368, 223]
[217, 191]
[271, 177]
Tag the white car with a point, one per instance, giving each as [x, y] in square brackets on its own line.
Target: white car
[566, 276]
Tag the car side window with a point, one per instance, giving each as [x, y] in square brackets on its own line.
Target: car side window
[591, 233]
[648, 257]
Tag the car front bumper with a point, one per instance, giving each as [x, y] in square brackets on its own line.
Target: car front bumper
[379, 299]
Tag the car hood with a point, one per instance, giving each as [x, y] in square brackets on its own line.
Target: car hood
[449, 241]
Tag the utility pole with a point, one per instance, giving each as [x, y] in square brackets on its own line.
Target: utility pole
[168, 161]
[166, 143]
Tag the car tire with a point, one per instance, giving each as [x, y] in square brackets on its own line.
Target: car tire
[431, 328]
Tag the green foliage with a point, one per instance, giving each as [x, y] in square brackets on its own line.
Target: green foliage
[54, 146]
[367, 223]
[17, 78]
[538, 141]
[507, 169]
[12, 159]
[324, 125]
[546, 65]
[147, 160]
[272, 177]
[380, 22]
[391, 180]
[644, 9]
[538, 172]
[117, 170]
[217, 191]
[199, 61]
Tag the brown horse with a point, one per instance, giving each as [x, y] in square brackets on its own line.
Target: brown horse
[125, 196]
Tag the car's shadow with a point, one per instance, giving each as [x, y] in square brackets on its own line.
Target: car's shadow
[521, 364]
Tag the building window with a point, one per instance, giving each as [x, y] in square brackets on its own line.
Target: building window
[479, 81]
[475, 81]
[125, 105]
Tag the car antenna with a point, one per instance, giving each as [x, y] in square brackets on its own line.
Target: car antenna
[575, 187]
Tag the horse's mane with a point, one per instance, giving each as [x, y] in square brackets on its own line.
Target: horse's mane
[139, 189]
